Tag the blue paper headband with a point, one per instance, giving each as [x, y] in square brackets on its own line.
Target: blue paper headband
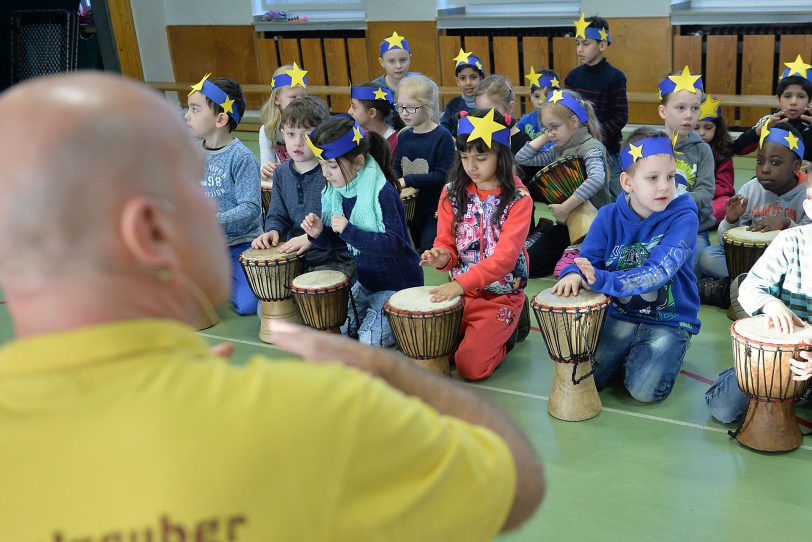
[783, 138]
[464, 59]
[586, 32]
[217, 95]
[643, 149]
[683, 81]
[340, 146]
[290, 78]
[538, 80]
[371, 93]
[394, 42]
[798, 68]
[572, 103]
[484, 128]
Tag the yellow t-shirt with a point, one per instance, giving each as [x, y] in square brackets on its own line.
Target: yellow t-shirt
[132, 431]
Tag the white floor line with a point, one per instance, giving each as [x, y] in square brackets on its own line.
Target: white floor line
[233, 340]
[618, 411]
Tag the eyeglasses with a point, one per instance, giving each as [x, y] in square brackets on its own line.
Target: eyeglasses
[410, 109]
[553, 128]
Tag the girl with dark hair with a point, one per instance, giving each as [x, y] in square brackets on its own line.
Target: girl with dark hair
[712, 128]
[483, 219]
[361, 205]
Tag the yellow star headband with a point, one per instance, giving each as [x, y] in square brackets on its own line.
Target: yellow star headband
[586, 32]
[784, 138]
[217, 95]
[485, 128]
[340, 146]
[709, 109]
[394, 42]
[537, 80]
[683, 81]
[290, 78]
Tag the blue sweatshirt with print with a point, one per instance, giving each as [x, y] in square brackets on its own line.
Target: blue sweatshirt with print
[646, 265]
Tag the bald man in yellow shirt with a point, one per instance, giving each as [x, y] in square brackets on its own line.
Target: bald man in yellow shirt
[117, 424]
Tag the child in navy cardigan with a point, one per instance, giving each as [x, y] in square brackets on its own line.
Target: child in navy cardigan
[468, 72]
[639, 251]
[361, 205]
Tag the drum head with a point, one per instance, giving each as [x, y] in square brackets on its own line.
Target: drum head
[268, 254]
[316, 280]
[566, 160]
[585, 298]
[756, 329]
[408, 192]
[266, 185]
[743, 235]
[418, 300]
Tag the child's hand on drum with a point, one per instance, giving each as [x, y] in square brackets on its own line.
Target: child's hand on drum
[338, 223]
[780, 317]
[268, 169]
[266, 240]
[802, 367]
[560, 212]
[435, 257]
[770, 223]
[735, 207]
[299, 244]
[586, 269]
[449, 290]
[570, 285]
[312, 225]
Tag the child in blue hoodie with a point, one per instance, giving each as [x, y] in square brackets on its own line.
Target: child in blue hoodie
[639, 251]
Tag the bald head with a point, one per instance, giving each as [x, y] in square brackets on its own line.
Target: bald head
[78, 146]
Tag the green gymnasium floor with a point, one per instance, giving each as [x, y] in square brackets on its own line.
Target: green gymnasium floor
[636, 472]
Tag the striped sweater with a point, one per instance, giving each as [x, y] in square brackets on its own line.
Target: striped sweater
[784, 272]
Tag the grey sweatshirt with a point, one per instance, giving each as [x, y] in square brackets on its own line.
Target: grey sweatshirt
[696, 174]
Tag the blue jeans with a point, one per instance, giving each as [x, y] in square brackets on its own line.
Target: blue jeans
[613, 183]
[650, 354]
[374, 325]
[242, 297]
[702, 242]
[727, 403]
[712, 262]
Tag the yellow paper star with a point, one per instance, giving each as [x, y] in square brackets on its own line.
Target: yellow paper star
[709, 107]
[379, 94]
[636, 152]
[557, 96]
[798, 67]
[462, 57]
[793, 141]
[604, 34]
[357, 136]
[765, 131]
[674, 139]
[296, 75]
[484, 127]
[316, 151]
[659, 94]
[199, 86]
[273, 82]
[554, 82]
[228, 105]
[580, 27]
[685, 81]
[478, 64]
[395, 41]
[533, 77]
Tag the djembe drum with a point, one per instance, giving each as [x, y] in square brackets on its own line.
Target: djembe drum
[762, 357]
[558, 180]
[409, 197]
[322, 298]
[269, 274]
[424, 330]
[743, 248]
[265, 190]
[571, 328]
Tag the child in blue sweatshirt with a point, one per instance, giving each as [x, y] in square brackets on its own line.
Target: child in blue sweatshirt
[639, 251]
[361, 205]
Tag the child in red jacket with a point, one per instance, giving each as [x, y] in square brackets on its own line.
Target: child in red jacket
[483, 218]
[712, 128]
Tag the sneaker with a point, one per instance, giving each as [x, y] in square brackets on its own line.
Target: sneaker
[523, 326]
[736, 312]
[570, 253]
[532, 239]
[715, 292]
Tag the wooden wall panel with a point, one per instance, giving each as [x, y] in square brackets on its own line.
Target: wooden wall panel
[480, 46]
[360, 61]
[687, 52]
[289, 51]
[564, 58]
[632, 51]
[449, 46]
[222, 50]
[422, 38]
[536, 53]
[792, 46]
[313, 62]
[123, 26]
[338, 74]
[720, 69]
[757, 74]
[506, 58]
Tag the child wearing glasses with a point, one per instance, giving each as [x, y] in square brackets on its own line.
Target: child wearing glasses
[424, 154]
[574, 130]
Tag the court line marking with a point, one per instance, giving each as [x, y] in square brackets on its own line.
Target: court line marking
[616, 411]
[530, 395]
